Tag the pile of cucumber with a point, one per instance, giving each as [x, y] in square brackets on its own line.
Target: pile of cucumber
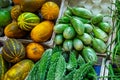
[78, 29]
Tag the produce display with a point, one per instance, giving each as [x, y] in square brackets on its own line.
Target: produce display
[77, 35]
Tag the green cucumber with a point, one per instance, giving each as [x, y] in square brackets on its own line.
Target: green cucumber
[77, 44]
[89, 55]
[68, 45]
[58, 39]
[81, 12]
[100, 34]
[82, 19]
[72, 64]
[78, 25]
[85, 38]
[106, 27]
[59, 28]
[97, 19]
[69, 33]
[88, 28]
[60, 68]
[64, 19]
[99, 45]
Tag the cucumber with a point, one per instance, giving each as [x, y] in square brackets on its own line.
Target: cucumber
[97, 19]
[88, 28]
[106, 27]
[100, 34]
[81, 12]
[69, 33]
[58, 39]
[59, 28]
[85, 38]
[99, 45]
[85, 21]
[89, 55]
[78, 25]
[77, 44]
[72, 64]
[68, 45]
[60, 68]
[64, 19]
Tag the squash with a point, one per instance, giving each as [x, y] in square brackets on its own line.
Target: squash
[4, 3]
[31, 5]
[50, 10]
[34, 51]
[19, 71]
[16, 2]
[13, 51]
[5, 17]
[3, 67]
[12, 30]
[42, 32]
[15, 12]
[28, 20]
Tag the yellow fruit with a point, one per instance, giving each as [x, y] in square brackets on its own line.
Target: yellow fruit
[50, 10]
[42, 32]
[34, 51]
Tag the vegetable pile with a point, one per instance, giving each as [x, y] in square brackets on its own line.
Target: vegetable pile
[78, 28]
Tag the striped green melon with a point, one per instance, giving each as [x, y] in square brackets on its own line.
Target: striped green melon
[3, 67]
[28, 20]
[13, 51]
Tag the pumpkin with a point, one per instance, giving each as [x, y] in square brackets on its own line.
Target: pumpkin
[16, 1]
[42, 32]
[5, 17]
[19, 71]
[34, 51]
[12, 30]
[3, 67]
[50, 10]
[15, 12]
[13, 51]
[28, 20]
[31, 5]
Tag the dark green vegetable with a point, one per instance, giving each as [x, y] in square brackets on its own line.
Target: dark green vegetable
[97, 19]
[81, 12]
[77, 44]
[53, 63]
[69, 33]
[80, 61]
[82, 71]
[100, 34]
[58, 39]
[99, 45]
[72, 64]
[68, 45]
[82, 19]
[60, 68]
[39, 70]
[59, 28]
[88, 28]
[64, 19]
[89, 55]
[85, 38]
[106, 27]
